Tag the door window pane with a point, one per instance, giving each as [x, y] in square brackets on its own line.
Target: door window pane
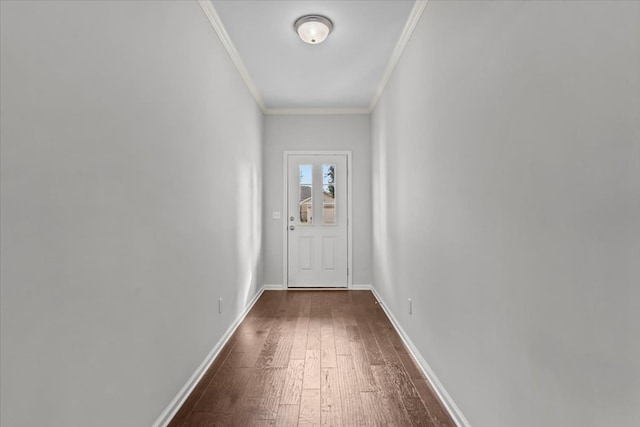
[306, 194]
[328, 194]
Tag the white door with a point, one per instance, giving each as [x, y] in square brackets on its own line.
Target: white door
[317, 220]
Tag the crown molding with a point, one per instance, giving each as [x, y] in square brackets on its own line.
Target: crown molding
[315, 111]
[216, 23]
[414, 17]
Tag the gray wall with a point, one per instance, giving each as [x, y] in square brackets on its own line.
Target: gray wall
[317, 132]
[131, 202]
[506, 203]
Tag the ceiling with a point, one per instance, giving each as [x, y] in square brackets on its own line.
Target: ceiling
[284, 73]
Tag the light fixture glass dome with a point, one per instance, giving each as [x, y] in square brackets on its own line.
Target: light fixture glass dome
[313, 29]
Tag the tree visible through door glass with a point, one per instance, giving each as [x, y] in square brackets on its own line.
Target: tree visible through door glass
[328, 194]
[306, 194]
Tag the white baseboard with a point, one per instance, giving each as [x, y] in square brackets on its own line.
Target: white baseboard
[437, 386]
[172, 409]
[304, 288]
[361, 287]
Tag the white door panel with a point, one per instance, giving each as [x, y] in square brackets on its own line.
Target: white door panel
[317, 254]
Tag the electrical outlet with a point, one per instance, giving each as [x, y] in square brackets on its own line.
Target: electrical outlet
[275, 215]
[220, 306]
[410, 306]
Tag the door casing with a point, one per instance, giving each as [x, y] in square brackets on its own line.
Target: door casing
[285, 208]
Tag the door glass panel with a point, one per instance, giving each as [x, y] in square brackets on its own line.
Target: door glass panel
[306, 194]
[328, 194]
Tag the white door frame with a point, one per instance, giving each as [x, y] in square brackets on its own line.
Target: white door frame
[285, 210]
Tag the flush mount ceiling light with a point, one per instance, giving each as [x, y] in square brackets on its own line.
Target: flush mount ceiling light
[313, 29]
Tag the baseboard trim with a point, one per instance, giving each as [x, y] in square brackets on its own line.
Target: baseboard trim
[437, 386]
[354, 287]
[174, 406]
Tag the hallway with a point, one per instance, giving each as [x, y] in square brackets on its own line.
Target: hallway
[326, 358]
[493, 211]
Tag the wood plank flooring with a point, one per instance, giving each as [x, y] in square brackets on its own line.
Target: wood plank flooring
[314, 358]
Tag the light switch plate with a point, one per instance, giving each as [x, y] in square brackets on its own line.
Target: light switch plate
[276, 215]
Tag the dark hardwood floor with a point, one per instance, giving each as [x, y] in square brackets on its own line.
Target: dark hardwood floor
[306, 358]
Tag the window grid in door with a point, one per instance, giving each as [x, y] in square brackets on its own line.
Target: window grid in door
[305, 195]
[328, 194]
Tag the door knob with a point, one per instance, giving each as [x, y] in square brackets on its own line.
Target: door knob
[291, 227]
